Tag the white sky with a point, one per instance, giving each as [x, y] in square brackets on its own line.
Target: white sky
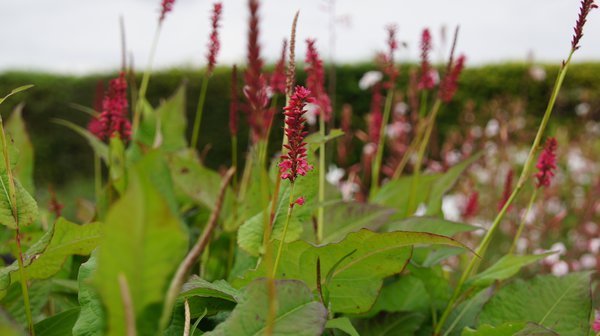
[82, 36]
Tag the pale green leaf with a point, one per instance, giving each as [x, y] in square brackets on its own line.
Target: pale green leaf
[27, 208]
[57, 325]
[432, 225]
[395, 193]
[16, 130]
[343, 324]
[15, 91]
[91, 317]
[504, 268]
[316, 139]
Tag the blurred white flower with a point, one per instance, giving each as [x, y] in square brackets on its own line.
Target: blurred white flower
[335, 174]
[311, 114]
[451, 206]
[453, 157]
[582, 109]
[588, 261]
[594, 245]
[401, 108]
[397, 128]
[530, 216]
[560, 247]
[369, 149]
[537, 73]
[421, 209]
[348, 189]
[369, 79]
[520, 157]
[492, 128]
[476, 132]
[560, 268]
[522, 245]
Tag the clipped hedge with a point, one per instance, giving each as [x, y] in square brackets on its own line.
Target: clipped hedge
[61, 154]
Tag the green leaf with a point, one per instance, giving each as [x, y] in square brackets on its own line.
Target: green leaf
[297, 313]
[408, 293]
[250, 234]
[39, 291]
[316, 139]
[27, 208]
[15, 91]
[560, 303]
[504, 268]
[221, 289]
[395, 193]
[16, 130]
[91, 320]
[466, 313]
[99, 147]
[343, 324]
[356, 282]
[506, 329]
[432, 225]
[445, 183]
[341, 218]
[57, 325]
[390, 325]
[173, 122]
[46, 257]
[143, 244]
[9, 327]
[117, 166]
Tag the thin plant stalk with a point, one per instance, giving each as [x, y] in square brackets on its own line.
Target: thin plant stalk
[285, 228]
[98, 184]
[412, 200]
[145, 81]
[525, 174]
[381, 143]
[234, 159]
[523, 219]
[321, 196]
[411, 148]
[199, 110]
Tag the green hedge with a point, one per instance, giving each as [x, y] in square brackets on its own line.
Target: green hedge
[62, 155]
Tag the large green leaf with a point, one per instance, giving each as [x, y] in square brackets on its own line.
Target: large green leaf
[390, 324]
[432, 225]
[57, 325]
[408, 293]
[298, 314]
[16, 130]
[27, 208]
[9, 327]
[143, 244]
[395, 193]
[562, 304]
[445, 183]
[91, 317]
[46, 257]
[504, 268]
[510, 329]
[250, 234]
[221, 289]
[356, 281]
[39, 292]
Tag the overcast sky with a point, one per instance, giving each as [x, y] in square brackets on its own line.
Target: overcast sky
[82, 36]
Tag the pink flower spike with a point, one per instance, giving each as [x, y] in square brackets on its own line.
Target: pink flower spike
[214, 44]
[449, 85]
[315, 79]
[426, 81]
[113, 119]
[547, 163]
[586, 8]
[165, 7]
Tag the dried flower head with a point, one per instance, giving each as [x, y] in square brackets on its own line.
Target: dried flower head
[426, 81]
[165, 7]
[214, 44]
[315, 79]
[233, 103]
[449, 84]
[279, 78]
[547, 163]
[586, 7]
[294, 161]
[113, 119]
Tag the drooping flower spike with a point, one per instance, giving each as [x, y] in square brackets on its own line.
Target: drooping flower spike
[547, 163]
[294, 161]
[214, 45]
[315, 79]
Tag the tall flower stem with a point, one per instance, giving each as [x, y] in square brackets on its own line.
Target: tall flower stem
[98, 184]
[412, 200]
[523, 219]
[416, 140]
[321, 196]
[12, 197]
[234, 159]
[145, 80]
[381, 143]
[199, 110]
[285, 228]
[525, 174]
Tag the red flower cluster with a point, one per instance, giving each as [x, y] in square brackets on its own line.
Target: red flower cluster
[426, 81]
[546, 163]
[113, 119]
[214, 45]
[279, 78]
[315, 79]
[255, 90]
[586, 7]
[472, 205]
[449, 85]
[166, 6]
[294, 162]
[386, 61]
[233, 104]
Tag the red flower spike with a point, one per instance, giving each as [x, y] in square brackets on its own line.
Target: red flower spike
[507, 189]
[113, 119]
[165, 7]
[214, 44]
[294, 162]
[300, 201]
[547, 163]
[386, 61]
[279, 78]
[586, 8]
[426, 81]
[315, 79]
[233, 104]
[472, 206]
[449, 85]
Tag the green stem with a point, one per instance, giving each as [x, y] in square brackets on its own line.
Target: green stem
[412, 200]
[523, 219]
[411, 148]
[285, 228]
[321, 198]
[98, 185]
[199, 110]
[481, 250]
[234, 160]
[381, 143]
[145, 80]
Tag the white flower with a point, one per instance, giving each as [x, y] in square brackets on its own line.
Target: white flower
[537, 73]
[492, 128]
[369, 79]
[594, 245]
[560, 268]
[348, 188]
[582, 109]
[369, 149]
[335, 174]
[522, 244]
[588, 261]
[451, 206]
[401, 108]
[421, 210]
[311, 114]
